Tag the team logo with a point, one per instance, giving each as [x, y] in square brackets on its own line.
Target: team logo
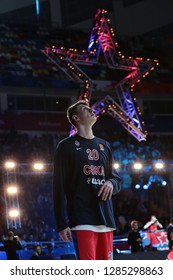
[101, 147]
[77, 149]
[77, 143]
[95, 181]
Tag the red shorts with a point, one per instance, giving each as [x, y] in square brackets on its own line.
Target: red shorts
[92, 245]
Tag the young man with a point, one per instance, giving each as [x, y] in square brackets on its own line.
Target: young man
[84, 183]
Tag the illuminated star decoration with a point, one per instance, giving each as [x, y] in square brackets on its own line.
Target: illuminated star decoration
[74, 64]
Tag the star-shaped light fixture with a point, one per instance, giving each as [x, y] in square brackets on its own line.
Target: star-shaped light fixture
[85, 66]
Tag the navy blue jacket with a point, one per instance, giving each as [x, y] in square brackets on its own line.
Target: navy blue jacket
[81, 166]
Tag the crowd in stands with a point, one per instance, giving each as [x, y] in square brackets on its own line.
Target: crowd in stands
[37, 215]
[36, 189]
[23, 63]
[24, 149]
[126, 150]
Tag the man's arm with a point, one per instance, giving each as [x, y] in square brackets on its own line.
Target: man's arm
[17, 243]
[159, 224]
[148, 224]
[113, 184]
[130, 238]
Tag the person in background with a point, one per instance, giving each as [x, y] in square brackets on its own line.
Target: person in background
[134, 238]
[83, 185]
[11, 245]
[153, 224]
[171, 241]
[170, 254]
[37, 253]
[169, 228]
[152, 227]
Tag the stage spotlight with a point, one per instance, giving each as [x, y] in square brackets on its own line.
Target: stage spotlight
[13, 213]
[164, 183]
[137, 166]
[159, 165]
[137, 186]
[10, 165]
[38, 166]
[145, 187]
[12, 190]
[116, 165]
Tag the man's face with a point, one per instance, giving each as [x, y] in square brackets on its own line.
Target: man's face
[135, 226]
[38, 250]
[85, 115]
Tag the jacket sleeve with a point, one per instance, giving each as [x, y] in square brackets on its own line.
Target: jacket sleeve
[113, 177]
[130, 238]
[148, 224]
[59, 187]
[159, 224]
[18, 245]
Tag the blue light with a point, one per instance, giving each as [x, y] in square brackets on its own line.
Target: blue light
[164, 183]
[137, 186]
[145, 187]
[90, 45]
[37, 3]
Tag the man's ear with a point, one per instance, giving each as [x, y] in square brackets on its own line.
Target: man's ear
[75, 118]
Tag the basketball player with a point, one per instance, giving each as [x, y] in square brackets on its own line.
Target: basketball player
[83, 185]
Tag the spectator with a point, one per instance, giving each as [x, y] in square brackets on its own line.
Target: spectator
[171, 241]
[37, 253]
[11, 244]
[153, 224]
[134, 238]
[169, 228]
[170, 254]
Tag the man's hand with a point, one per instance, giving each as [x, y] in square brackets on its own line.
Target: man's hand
[106, 190]
[139, 240]
[66, 235]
